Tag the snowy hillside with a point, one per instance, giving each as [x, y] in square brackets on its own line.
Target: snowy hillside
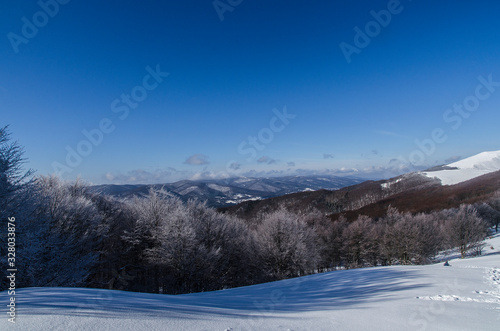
[464, 296]
[467, 169]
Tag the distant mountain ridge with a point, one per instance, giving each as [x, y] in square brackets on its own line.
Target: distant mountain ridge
[231, 191]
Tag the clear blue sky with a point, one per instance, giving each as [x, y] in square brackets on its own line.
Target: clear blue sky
[354, 104]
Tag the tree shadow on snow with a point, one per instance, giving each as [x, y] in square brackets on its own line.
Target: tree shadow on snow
[348, 289]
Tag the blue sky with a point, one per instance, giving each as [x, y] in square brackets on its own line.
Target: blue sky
[272, 88]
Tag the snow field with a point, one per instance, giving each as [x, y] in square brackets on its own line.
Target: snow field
[469, 168]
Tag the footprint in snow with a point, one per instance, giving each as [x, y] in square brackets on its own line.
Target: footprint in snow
[493, 277]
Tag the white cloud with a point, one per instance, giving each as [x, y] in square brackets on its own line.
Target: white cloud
[266, 159]
[197, 159]
[140, 176]
[205, 175]
[389, 133]
[235, 166]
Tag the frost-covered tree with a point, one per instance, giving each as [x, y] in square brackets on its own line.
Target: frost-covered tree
[287, 245]
[13, 178]
[465, 229]
[62, 235]
[429, 239]
[494, 203]
[15, 182]
[161, 236]
[330, 242]
[188, 247]
[357, 245]
[228, 237]
[387, 240]
[413, 239]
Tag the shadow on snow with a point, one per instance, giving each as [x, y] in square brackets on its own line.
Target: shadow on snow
[349, 289]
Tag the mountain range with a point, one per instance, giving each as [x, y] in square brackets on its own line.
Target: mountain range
[231, 191]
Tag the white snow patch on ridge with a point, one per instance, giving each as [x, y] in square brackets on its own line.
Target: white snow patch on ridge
[389, 184]
[469, 168]
[223, 189]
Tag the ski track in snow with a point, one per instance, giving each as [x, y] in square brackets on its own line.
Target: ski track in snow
[493, 296]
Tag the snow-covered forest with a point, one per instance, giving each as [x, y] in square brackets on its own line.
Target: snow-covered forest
[68, 236]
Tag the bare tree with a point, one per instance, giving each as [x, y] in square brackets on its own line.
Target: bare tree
[62, 234]
[465, 229]
[494, 203]
[12, 176]
[415, 238]
[15, 182]
[287, 245]
[388, 245]
[330, 242]
[164, 239]
[229, 242]
[357, 245]
[428, 237]
[188, 247]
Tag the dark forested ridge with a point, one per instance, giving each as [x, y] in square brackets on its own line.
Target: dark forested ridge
[412, 193]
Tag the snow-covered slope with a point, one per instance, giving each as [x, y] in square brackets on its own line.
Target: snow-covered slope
[464, 296]
[468, 168]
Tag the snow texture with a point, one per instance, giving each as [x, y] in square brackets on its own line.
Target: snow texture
[463, 296]
[469, 168]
